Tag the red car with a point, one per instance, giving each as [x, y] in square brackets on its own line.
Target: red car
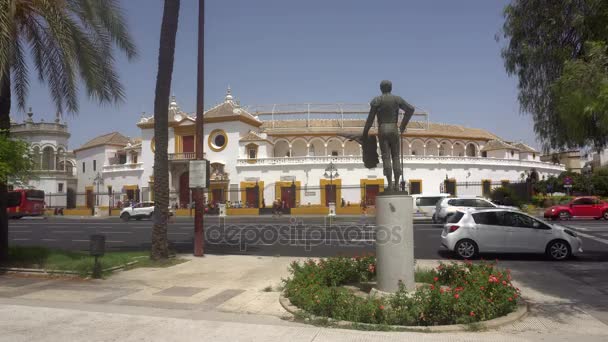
[579, 207]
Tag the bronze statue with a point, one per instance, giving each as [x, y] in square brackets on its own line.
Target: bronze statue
[386, 108]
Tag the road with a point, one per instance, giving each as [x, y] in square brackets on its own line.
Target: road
[581, 282]
[302, 236]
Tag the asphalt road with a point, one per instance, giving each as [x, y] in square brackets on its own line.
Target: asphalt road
[302, 236]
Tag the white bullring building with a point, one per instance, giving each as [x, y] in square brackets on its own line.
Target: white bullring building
[262, 153]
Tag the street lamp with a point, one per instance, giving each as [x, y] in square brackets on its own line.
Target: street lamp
[330, 172]
[97, 181]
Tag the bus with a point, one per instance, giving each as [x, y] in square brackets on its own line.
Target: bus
[24, 202]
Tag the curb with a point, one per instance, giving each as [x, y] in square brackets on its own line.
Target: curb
[60, 272]
[519, 313]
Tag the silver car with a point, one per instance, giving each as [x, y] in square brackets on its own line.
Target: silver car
[448, 206]
[470, 232]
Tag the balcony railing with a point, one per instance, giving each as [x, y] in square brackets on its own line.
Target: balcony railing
[407, 160]
[182, 156]
[123, 167]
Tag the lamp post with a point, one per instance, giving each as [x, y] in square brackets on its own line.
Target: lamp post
[97, 181]
[199, 242]
[330, 172]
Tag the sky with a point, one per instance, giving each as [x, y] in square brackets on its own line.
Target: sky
[441, 56]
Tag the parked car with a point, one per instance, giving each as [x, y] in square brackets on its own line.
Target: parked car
[448, 206]
[139, 211]
[579, 207]
[424, 204]
[470, 232]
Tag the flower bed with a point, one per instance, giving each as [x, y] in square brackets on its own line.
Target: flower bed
[457, 293]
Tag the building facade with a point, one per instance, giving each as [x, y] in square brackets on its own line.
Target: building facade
[54, 165]
[260, 154]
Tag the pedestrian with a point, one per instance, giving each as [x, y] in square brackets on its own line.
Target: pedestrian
[343, 202]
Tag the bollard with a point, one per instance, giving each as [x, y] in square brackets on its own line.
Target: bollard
[97, 248]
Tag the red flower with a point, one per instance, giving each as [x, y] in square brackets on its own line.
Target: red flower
[459, 289]
[318, 301]
[515, 295]
[435, 279]
[381, 307]
[371, 268]
[472, 314]
[456, 295]
[441, 290]
[493, 279]
[504, 282]
[482, 288]
[510, 299]
[432, 287]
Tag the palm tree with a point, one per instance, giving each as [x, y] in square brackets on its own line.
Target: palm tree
[72, 42]
[168, 33]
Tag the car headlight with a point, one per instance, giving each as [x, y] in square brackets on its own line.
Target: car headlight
[552, 210]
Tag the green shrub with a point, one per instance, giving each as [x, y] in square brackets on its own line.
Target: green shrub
[505, 196]
[457, 294]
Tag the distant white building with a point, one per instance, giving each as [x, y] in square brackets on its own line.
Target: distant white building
[54, 165]
[109, 170]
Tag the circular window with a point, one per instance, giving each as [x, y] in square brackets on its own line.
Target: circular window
[217, 140]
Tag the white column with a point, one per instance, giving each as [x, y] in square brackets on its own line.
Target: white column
[394, 242]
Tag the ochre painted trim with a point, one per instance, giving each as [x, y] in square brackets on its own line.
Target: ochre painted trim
[338, 183]
[364, 182]
[130, 187]
[88, 187]
[310, 210]
[242, 211]
[241, 118]
[247, 185]
[212, 135]
[419, 181]
[455, 186]
[279, 184]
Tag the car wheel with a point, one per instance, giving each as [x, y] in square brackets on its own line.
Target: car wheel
[138, 218]
[564, 215]
[605, 215]
[466, 249]
[125, 217]
[559, 250]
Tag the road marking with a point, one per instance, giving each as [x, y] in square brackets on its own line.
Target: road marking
[49, 239]
[595, 238]
[20, 231]
[66, 231]
[81, 240]
[112, 241]
[116, 232]
[20, 239]
[178, 234]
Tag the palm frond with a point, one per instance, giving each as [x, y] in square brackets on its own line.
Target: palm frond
[20, 73]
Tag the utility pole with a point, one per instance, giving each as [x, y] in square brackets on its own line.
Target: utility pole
[199, 240]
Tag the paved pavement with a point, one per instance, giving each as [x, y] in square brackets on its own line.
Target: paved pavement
[223, 298]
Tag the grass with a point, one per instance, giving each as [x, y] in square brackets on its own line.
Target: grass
[80, 262]
[424, 275]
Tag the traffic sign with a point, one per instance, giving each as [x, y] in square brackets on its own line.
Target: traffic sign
[199, 174]
[567, 180]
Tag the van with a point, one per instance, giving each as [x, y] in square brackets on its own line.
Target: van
[424, 204]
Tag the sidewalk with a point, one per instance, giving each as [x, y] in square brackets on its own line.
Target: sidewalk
[225, 298]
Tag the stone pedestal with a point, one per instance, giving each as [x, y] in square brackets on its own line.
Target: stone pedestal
[394, 242]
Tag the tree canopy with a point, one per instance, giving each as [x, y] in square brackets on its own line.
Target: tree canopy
[557, 49]
[15, 160]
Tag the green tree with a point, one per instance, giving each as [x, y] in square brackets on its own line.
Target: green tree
[541, 37]
[168, 33]
[71, 42]
[15, 160]
[599, 180]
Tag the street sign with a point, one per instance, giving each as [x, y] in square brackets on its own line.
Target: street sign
[567, 180]
[199, 174]
[568, 186]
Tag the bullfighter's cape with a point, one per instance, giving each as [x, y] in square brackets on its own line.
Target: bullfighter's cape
[369, 148]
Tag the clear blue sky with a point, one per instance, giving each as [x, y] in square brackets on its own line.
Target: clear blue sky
[440, 55]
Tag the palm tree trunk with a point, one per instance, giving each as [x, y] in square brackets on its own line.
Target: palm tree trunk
[168, 33]
[5, 126]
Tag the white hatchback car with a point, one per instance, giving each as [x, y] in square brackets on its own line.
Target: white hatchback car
[139, 211]
[470, 232]
[448, 206]
[425, 204]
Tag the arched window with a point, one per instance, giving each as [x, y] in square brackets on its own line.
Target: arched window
[471, 150]
[59, 158]
[48, 158]
[36, 157]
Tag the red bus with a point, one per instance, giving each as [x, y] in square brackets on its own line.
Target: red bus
[25, 203]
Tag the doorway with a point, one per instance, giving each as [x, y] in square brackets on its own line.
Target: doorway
[184, 189]
[371, 191]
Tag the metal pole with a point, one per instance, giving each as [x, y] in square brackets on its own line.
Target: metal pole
[200, 108]
[401, 151]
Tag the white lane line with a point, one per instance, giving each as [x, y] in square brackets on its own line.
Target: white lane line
[116, 232]
[49, 239]
[81, 240]
[20, 231]
[595, 238]
[113, 241]
[65, 231]
[178, 234]
[20, 239]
